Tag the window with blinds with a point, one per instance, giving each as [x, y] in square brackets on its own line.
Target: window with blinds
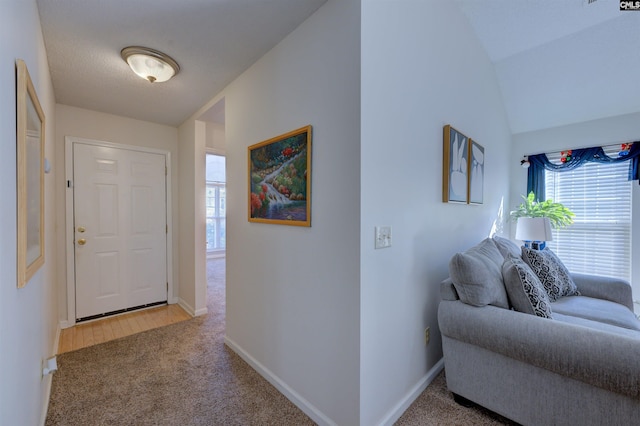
[599, 241]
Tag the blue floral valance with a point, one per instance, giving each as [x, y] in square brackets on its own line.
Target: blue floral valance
[576, 158]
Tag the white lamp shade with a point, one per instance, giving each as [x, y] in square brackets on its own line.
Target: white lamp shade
[150, 64]
[534, 229]
[147, 66]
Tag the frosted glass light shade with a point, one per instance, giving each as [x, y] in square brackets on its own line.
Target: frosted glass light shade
[534, 229]
[150, 64]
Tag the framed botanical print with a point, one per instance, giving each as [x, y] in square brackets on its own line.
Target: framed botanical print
[476, 172]
[455, 170]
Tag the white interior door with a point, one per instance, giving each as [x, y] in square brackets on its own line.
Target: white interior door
[120, 227]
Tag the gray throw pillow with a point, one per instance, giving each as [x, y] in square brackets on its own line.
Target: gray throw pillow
[477, 275]
[506, 246]
[555, 277]
[526, 292]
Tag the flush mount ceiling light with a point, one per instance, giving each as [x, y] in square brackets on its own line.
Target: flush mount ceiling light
[150, 64]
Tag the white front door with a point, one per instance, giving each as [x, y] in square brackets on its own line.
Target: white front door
[120, 225]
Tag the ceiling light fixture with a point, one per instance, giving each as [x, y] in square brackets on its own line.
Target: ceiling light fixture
[150, 64]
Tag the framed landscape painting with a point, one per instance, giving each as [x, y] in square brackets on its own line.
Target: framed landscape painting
[280, 179]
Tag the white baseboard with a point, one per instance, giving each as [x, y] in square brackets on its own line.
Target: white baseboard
[311, 411]
[65, 324]
[187, 307]
[48, 379]
[394, 414]
[201, 312]
[190, 309]
[47, 396]
[56, 340]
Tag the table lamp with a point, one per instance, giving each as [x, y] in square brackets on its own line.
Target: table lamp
[534, 231]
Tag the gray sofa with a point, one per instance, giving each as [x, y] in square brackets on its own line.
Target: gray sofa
[579, 366]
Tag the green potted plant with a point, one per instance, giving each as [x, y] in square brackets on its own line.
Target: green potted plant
[557, 213]
[536, 218]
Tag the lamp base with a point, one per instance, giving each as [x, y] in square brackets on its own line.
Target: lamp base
[536, 245]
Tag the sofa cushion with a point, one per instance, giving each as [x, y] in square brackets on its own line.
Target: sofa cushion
[507, 247]
[526, 292]
[555, 277]
[477, 275]
[600, 310]
[597, 325]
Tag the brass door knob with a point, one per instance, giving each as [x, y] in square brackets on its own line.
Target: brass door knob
[82, 241]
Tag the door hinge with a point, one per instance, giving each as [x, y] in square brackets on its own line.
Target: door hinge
[166, 231]
[69, 184]
[165, 171]
[167, 287]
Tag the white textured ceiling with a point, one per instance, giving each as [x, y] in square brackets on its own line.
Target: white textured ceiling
[213, 41]
[560, 61]
[557, 61]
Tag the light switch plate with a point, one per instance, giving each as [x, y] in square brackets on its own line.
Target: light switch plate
[383, 237]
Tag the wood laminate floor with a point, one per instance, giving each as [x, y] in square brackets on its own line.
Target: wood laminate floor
[111, 328]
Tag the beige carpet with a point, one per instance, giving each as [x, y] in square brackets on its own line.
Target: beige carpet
[183, 374]
[435, 406]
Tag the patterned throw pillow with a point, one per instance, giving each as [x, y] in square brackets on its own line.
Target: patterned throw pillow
[524, 289]
[555, 277]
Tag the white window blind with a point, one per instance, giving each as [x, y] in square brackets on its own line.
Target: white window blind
[599, 241]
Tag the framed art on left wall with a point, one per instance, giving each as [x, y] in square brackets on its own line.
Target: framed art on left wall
[30, 176]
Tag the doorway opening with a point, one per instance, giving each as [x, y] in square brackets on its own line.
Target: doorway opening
[216, 204]
[212, 128]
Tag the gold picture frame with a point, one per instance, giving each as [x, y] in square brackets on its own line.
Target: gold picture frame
[280, 179]
[455, 166]
[30, 123]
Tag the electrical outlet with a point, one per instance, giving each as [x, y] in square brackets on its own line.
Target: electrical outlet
[383, 237]
[427, 335]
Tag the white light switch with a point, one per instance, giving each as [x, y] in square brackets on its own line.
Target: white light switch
[383, 237]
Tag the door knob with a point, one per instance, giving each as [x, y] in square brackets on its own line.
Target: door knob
[82, 241]
[81, 229]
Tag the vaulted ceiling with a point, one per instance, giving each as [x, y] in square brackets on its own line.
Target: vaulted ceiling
[560, 61]
[557, 61]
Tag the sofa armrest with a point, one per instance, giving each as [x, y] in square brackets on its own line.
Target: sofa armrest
[599, 358]
[448, 290]
[606, 288]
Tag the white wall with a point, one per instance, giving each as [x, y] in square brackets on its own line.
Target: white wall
[293, 292]
[422, 68]
[28, 316]
[83, 123]
[192, 194]
[215, 137]
[604, 131]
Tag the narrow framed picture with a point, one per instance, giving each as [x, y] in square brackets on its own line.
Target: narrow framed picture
[476, 172]
[455, 167]
[30, 176]
[280, 179]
